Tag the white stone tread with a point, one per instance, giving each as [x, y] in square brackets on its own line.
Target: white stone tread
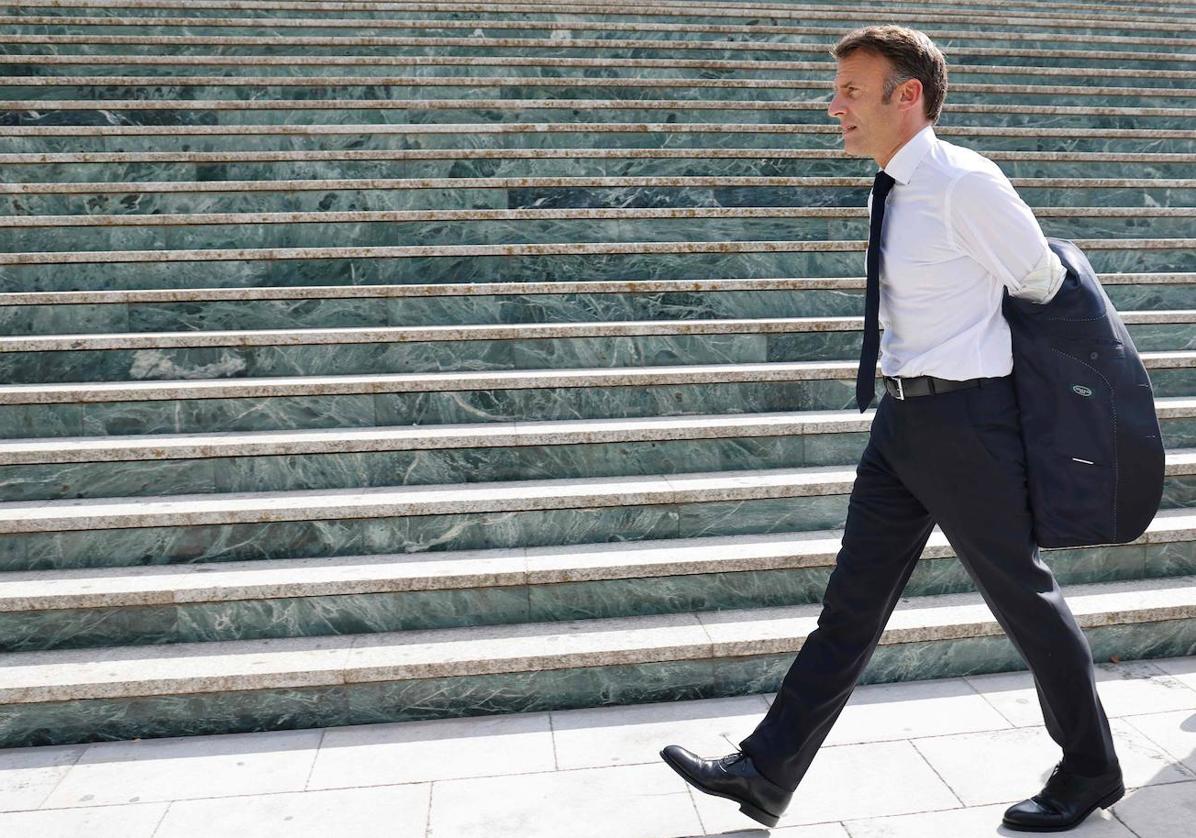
[488, 331]
[174, 669]
[459, 289]
[312, 385]
[481, 435]
[444, 499]
[341, 575]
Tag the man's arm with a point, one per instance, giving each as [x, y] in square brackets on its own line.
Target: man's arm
[992, 224]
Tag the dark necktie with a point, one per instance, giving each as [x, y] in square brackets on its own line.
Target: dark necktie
[865, 382]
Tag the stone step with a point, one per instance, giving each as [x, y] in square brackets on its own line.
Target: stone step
[345, 458]
[63, 696]
[258, 526]
[296, 403]
[676, 90]
[553, 133]
[957, 13]
[463, 332]
[536, 67]
[94, 392]
[445, 348]
[84, 312]
[231, 508]
[42, 610]
[587, 260]
[427, 438]
[235, 112]
[463, 227]
[1112, 33]
[521, 163]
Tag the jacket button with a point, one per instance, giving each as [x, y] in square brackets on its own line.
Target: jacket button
[1093, 356]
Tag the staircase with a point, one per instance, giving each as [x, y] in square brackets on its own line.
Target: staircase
[374, 361]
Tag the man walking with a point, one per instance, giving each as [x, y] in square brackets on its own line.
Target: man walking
[945, 444]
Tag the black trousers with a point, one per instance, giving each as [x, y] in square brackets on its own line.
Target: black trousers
[956, 459]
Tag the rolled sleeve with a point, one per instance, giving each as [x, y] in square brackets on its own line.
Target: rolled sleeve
[991, 223]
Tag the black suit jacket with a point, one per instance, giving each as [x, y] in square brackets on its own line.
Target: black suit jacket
[1094, 453]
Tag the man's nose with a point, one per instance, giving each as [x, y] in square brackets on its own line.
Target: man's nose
[834, 108]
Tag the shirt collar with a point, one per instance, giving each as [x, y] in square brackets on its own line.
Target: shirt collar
[902, 165]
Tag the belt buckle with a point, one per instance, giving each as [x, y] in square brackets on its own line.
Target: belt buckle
[900, 388]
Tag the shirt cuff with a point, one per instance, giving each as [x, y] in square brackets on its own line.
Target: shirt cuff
[1042, 282]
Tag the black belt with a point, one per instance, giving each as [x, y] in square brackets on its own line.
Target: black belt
[925, 385]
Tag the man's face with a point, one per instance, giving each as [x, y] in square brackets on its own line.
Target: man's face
[870, 127]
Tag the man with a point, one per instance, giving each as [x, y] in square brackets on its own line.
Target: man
[945, 444]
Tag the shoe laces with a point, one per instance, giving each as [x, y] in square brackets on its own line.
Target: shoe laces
[731, 759]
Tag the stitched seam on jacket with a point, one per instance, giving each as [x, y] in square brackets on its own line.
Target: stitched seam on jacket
[1113, 405]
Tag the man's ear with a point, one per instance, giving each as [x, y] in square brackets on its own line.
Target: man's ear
[911, 92]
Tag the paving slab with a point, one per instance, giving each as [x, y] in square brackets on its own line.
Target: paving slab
[620, 735]
[441, 749]
[1005, 766]
[630, 801]
[884, 712]
[1174, 732]
[974, 822]
[1159, 811]
[874, 779]
[140, 771]
[393, 811]
[29, 775]
[134, 821]
[1125, 688]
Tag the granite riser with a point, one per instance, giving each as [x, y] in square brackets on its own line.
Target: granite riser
[538, 268]
[479, 232]
[206, 363]
[536, 26]
[345, 614]
[579, 138]
[181, 416]
[296, 94]
[148, 478]
[331, 313]
[1073, 59]
[763, 166]
[58, 723]
[531, 197]
[545, 75]
[290, 114]
[749, 19]
[436, 533]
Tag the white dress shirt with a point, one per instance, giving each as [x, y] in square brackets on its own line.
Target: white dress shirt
[955, 234]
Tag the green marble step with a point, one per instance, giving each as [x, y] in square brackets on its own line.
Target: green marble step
[508, 346]
[574, 261]
[93, 608]
[181, 529]
[547, 67]
[555, 133]
[956, 13]
[152, 166]
[234, 112]
[428, 305]
[459, 228]
[452, 34]
[295, 403]
[61, 696]
[1043, 44]
[286, 19]
[344, 458]
[312, 165]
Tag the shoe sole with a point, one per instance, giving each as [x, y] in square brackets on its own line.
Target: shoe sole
[1104, 803]
[753, 812]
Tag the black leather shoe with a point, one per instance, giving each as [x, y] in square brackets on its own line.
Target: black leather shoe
[733, 777]
[1064, 801]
